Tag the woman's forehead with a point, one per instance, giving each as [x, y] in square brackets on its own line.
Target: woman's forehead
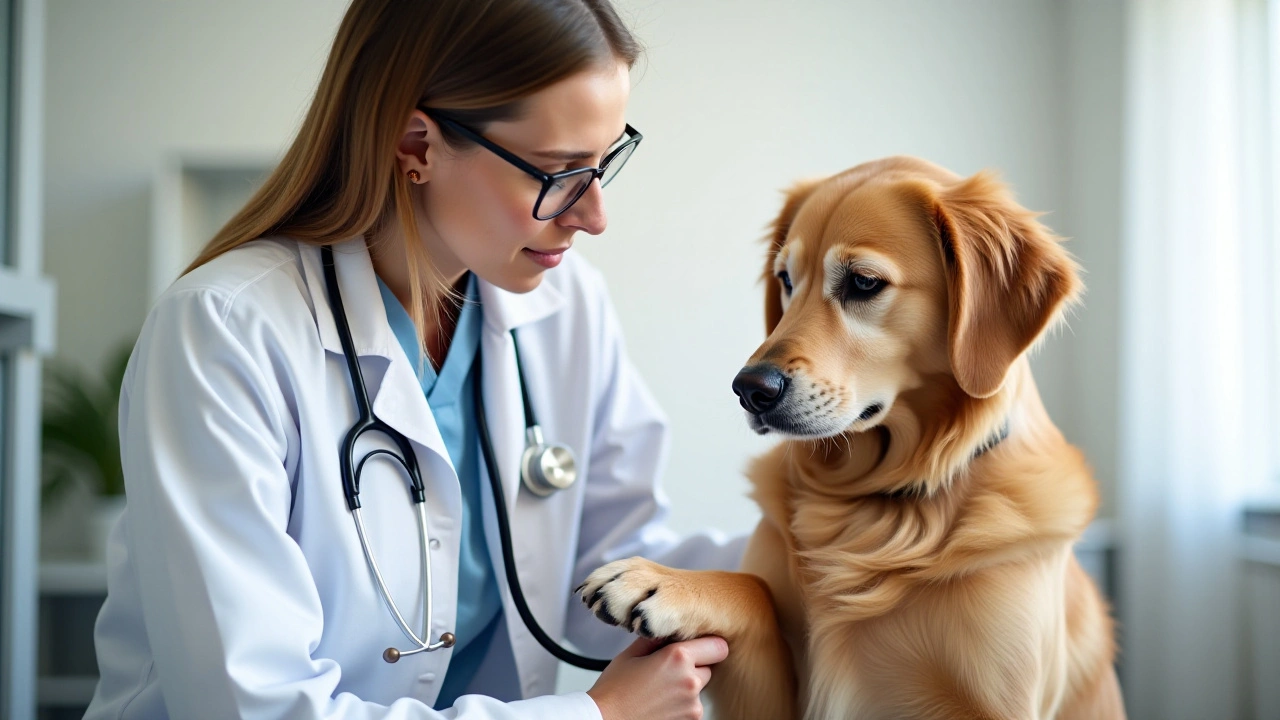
[584, 113]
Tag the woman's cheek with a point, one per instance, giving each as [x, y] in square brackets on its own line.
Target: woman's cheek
[517, 216]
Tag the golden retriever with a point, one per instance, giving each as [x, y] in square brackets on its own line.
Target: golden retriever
[914, 559]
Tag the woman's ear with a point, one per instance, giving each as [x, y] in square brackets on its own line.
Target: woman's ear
[1009, 279]
[414, 146]
[778, 230]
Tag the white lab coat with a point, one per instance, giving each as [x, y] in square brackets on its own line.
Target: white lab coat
[237, 586]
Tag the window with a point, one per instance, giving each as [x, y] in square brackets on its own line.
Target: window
[6, 66]
[1271, 202]
[1259, 96]
[26, 305]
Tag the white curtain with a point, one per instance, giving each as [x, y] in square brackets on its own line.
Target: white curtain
[1198, 360]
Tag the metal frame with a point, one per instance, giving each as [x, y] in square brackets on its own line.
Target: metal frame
[26, 333]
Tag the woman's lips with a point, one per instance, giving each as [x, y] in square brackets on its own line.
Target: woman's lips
[545, 259]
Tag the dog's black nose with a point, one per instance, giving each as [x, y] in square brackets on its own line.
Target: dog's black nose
[759, 387]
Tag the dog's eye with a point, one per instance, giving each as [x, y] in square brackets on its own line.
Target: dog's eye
[867, 284]
[861, 287]
[786, 281]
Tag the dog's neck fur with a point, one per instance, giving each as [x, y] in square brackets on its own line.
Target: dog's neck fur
[929, 438]
[921, 486]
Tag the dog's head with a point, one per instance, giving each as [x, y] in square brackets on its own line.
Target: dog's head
[890, 276]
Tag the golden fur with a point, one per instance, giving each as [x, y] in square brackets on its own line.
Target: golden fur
[901, 569]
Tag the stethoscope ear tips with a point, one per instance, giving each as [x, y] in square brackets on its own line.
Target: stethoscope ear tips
[391, 655]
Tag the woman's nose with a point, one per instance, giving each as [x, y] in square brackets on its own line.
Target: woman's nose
[588, 213]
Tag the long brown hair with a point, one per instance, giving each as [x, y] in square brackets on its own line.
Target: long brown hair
[474, 59]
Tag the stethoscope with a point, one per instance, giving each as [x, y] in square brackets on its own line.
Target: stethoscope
[544, 469]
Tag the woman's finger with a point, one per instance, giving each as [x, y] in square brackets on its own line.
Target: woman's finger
[641, 647]
[702, 651]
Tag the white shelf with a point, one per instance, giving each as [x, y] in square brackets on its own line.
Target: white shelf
[73, 691]
[69, 578]
[73, 578]
[1260, 550]
[193, 195]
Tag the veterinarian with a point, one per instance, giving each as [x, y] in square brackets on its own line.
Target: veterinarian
[396, 305]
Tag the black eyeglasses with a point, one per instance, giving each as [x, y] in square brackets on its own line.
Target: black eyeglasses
[559, 190]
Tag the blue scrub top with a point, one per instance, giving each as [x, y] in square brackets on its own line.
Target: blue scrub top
[450, 394]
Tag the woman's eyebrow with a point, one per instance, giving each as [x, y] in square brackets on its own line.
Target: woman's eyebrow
[574, 155]
[566, 155]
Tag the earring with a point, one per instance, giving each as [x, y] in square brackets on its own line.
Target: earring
[414, 176]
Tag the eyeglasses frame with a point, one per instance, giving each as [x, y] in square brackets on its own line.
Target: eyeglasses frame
[633, 138]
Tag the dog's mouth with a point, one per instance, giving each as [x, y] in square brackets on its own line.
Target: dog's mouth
[872, 410]
[798, 407]
[808, 424]
[764, 425]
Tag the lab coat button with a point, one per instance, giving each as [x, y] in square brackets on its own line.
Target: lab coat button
[435, 544]
[429, 677]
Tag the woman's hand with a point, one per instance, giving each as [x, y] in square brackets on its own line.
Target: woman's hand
[650, 681]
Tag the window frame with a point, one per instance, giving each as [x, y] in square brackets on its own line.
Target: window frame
[26, 334]
[1271, 204]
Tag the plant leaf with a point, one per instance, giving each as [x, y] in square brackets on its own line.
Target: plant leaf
[79, 429]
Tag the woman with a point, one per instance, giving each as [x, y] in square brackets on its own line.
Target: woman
[238, 584]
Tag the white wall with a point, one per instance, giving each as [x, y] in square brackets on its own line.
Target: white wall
[129, 79]
[1087, 409]
[740, 98]
[736, 99]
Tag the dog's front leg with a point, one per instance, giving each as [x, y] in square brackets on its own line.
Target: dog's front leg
[756, 681]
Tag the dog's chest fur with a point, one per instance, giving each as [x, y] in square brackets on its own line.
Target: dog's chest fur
[891, 589]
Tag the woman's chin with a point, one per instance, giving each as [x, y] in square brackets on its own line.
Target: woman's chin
[518, 282]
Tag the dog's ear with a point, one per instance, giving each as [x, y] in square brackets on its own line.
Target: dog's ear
[1008, 276]
[796, 195]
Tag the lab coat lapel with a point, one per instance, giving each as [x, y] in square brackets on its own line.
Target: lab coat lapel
[370, 332]
[501, 391]
[504, 312]
[392, 382]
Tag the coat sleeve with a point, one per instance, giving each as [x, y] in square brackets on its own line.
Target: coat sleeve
[625, 509]
[230, 608]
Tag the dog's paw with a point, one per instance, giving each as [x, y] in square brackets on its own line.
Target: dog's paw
[643, 597]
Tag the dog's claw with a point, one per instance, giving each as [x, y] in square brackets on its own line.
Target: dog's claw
[602, 612]
[633, 622]
[623, 594]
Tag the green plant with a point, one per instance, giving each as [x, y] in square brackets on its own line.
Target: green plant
[78, 438]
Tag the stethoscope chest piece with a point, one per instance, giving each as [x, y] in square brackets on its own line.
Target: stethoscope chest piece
[545, 468]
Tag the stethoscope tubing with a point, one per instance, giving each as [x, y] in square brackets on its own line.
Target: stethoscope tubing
[367, 421]
[504, 537]
[422, 645]
[408, 460]
[351, 478]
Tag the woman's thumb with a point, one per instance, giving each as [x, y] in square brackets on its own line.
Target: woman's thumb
[641, 647]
